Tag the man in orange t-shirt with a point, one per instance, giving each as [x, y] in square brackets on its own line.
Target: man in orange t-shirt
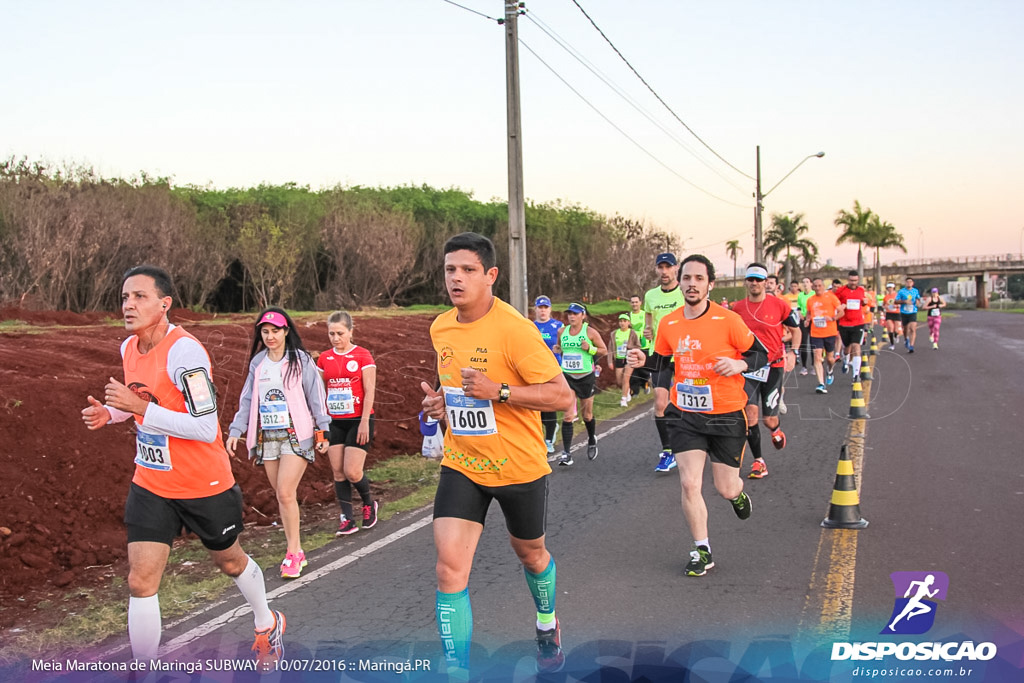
[711, 347]
[823, 310]
[496, 374]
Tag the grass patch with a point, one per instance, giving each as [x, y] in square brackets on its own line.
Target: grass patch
[19, 327]
[992, 309]
[414, 475]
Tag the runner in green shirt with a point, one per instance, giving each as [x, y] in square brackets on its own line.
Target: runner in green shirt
[803, 295]
[620, 341]
[580, 346]
[659, 302]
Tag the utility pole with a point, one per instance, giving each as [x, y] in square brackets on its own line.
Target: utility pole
[758, 241]
[516, 199]
[759, 196]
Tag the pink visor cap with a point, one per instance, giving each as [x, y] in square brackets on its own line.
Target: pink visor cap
[274, 318]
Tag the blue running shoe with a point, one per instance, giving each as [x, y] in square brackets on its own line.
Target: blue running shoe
[666, 462]
[829, 378]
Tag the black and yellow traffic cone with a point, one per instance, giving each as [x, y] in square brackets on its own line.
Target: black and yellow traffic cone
[844, 510]
[865, 368]
[858, 407]
[874, 345]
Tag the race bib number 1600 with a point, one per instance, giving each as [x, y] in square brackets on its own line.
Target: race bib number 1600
[468, 416]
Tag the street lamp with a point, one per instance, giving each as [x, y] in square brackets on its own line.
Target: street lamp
[758, 242]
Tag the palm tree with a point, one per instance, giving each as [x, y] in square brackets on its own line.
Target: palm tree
[882, 235]
[787, 236]
[733, 248]
[855, 227]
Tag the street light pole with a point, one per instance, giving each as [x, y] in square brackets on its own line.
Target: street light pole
[758, 239]
[759, 204]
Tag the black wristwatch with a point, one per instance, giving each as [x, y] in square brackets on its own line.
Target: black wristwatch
[504, 393]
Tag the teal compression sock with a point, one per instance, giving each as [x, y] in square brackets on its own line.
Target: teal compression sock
[455, 625]
[542, 587]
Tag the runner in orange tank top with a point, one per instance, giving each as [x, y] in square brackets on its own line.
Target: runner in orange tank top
[183, 478]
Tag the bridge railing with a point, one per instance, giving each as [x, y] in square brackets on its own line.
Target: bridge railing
[997, 258]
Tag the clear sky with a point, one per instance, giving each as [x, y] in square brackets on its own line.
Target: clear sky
[918, 105]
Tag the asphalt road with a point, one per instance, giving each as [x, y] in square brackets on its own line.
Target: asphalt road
[940, 484]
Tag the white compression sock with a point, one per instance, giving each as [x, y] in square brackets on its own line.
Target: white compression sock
[144, 626]
[250, 583]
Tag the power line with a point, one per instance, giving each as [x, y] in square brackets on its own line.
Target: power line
[602, 115]
[656, 95]
[481, 14]
[624, 133]
[578, 56]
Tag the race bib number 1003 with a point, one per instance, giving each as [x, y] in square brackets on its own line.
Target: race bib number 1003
[152, 451]
[468, 416]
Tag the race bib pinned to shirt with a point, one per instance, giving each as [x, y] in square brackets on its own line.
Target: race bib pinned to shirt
[274, 415]
[853, 304]
[820, 321]
[468, 416]
[340, 401]
[935, 312]
[572, 362]
[694, 398]
[152, 451]
[759, 375]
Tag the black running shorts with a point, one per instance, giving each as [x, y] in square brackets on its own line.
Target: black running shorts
[584, 386]
[620, 362]
[344, 430]
[854, 334]
[723, 437]
[767, 393]
[524, 505]
[827, 343]
[216, 520]
[907, 318]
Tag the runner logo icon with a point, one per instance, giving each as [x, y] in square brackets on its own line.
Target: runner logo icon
[914, 609]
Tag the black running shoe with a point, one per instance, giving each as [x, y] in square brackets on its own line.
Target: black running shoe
[369, 515]
[700, 561]
[591, 451]
[566, 459]
[550, 658]
[742, 505]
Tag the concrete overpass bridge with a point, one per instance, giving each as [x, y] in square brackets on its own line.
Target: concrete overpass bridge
[986, 271]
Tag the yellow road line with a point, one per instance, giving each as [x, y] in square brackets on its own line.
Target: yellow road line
[828, 605]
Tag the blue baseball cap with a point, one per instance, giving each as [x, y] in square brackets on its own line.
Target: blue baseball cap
[576, 308]
[542, 301]
[668, 257]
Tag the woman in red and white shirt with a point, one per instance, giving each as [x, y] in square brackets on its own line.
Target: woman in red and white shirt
[350, 376]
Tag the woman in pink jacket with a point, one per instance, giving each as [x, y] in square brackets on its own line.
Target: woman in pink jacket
[282, 412]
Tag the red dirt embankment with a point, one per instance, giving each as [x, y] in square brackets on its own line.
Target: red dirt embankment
[62, 487]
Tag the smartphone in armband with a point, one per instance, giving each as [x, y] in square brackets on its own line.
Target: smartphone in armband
[200, 394]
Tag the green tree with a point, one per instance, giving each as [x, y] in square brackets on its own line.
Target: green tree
[854, 225]
[882, 235]
[266, 250]
[733, 249]
[788, 236]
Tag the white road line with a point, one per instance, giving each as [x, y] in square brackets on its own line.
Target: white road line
[212, 625]
[609, 432]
